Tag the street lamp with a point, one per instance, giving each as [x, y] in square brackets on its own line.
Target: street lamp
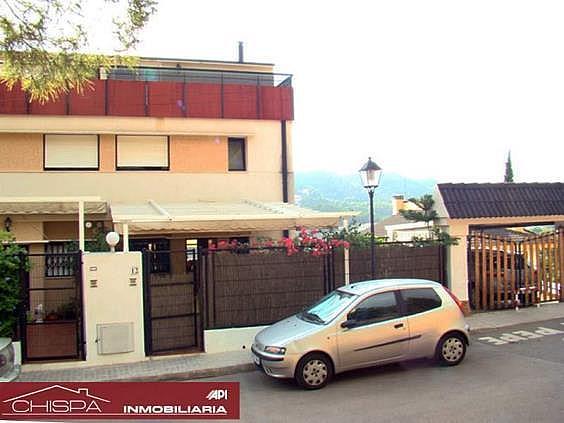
[370, 176]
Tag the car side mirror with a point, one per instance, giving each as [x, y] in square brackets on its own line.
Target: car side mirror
[348, 324]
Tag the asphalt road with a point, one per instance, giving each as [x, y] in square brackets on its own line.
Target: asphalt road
[513, 374]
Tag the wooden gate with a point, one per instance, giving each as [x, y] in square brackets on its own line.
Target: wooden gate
[505, 273]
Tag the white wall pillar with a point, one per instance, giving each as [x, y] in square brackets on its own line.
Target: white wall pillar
[457, 260]
[81, 236]
[125, 227]
[347, 257]
[113, 307]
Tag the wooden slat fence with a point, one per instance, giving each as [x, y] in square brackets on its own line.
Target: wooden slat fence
[508, 272]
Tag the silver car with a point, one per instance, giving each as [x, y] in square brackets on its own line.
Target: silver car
[9, 369]
[364, 324]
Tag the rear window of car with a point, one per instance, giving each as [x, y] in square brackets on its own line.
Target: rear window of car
[418, 300]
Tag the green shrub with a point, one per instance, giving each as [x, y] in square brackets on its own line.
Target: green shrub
[10, 283]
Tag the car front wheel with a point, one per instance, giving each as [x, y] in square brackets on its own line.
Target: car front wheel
[451, 349]
[314, 371]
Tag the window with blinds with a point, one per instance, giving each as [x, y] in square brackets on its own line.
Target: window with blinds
[71, 152]
[142, 152]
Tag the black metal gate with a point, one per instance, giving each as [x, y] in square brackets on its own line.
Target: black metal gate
[51, 322]
[172, 301]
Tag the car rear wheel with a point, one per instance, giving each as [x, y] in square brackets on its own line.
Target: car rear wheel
[451, 349]
[314, 371]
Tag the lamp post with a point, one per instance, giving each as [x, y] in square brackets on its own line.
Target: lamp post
[370, 176]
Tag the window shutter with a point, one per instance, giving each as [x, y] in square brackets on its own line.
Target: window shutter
[142, 151]
[71, 151]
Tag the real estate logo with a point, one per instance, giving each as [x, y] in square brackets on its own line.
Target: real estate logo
[217, 394]
[33, 401]
[55, 400]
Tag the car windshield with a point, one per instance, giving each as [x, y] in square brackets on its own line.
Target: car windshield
[326, 309]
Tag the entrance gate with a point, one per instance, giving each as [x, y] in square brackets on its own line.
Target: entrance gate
[505, 273]
[51, 325]
[172, 301]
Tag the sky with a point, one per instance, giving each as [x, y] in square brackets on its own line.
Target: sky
[428, 89]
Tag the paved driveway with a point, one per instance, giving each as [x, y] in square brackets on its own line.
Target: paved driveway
[519, 378]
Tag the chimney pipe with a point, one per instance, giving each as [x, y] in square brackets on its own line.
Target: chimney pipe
[241, 60]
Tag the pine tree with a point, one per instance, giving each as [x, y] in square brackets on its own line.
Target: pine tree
[426, 212]
[508, 169]
[43, 42]
[429, 215]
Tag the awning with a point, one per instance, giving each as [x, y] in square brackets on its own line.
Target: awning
[50, 205]
[55, 205]
[201, 217]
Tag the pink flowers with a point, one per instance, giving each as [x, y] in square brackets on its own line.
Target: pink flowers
[311, 241]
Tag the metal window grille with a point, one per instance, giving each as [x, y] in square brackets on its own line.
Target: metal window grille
[58, 261]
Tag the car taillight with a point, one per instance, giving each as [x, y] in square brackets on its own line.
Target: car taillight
[456, 300]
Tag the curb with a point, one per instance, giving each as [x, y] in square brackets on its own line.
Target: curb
[474, 329]
[191, 374]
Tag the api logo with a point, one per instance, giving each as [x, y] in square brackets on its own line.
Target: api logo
[217, 394]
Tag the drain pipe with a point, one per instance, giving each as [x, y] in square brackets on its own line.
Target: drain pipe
[284, 145]
[284, 162]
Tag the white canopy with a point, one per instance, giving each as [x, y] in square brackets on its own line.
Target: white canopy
[51, 205]
[200, 217]
[55, 205]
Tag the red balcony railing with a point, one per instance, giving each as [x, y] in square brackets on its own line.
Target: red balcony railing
[168, 93]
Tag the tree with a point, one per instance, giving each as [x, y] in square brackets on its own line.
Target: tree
[10, 262]
[43, 42]
[426, 212]
[429, 215]
[508, 169]
[97, 243]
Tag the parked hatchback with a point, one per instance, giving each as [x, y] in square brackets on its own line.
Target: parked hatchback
[364, 324]
[9, 369]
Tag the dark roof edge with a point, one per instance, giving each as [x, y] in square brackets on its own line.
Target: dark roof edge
[492, 184]
[506, 217]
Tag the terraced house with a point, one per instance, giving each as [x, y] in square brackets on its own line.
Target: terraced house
[214, 138]
[173, 155]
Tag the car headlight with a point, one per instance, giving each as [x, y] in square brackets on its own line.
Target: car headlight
[275, 350]
[6, 359]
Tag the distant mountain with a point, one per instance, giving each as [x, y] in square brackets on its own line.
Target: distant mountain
[326, 191]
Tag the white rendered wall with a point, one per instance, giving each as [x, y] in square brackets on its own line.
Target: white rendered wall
[234, 339]
[117, 298]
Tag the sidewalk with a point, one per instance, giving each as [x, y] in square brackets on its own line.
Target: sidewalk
[502, 318]
[202, 365]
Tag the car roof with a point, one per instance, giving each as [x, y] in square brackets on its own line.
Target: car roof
[360, 288]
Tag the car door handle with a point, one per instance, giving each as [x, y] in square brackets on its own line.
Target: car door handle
[398, 326]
